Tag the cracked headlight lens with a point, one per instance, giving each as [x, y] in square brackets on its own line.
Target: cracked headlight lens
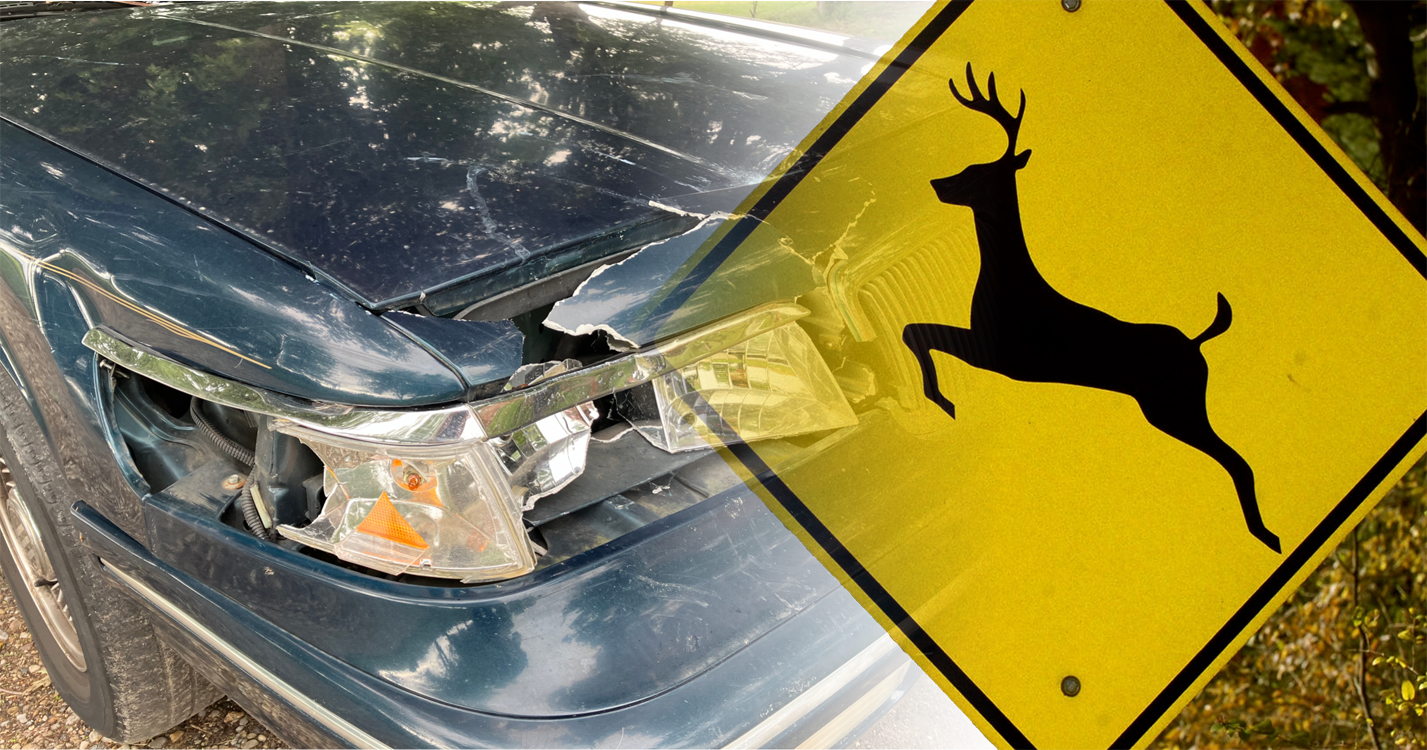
[448, 512]
[773, 385]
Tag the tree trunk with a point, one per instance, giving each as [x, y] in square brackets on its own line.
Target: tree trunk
[1396, 105]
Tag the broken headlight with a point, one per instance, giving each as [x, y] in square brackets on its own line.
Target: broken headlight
[450, 512]
[456, 513]
[440, 492]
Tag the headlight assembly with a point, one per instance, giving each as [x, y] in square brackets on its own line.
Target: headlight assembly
[444, 511]
[440, 492]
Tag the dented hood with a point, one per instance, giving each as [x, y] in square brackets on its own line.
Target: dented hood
[428, 152]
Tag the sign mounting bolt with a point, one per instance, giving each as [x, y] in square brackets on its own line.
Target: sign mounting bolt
[1070, 5]
[1071, 684]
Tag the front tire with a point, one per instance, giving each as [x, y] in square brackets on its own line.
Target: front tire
[102, 655]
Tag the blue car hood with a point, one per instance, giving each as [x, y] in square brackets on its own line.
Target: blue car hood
[397, 149]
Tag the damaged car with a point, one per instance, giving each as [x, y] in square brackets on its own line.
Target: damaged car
[341, 375]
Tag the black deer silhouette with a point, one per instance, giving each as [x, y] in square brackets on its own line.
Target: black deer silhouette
[1026, 330]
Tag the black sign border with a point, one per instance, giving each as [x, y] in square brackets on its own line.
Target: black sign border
[1292, 564]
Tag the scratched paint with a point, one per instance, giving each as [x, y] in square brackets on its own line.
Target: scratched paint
[389, 155]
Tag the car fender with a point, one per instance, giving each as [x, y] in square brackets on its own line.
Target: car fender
[81, 247]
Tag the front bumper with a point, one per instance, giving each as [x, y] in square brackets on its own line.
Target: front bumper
[814, 677]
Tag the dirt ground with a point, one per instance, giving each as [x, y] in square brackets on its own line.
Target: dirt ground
[36, 717]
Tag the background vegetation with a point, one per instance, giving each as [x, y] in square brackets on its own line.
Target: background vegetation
[1344, 662]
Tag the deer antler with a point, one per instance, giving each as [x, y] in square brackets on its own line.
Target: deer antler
[991, 106]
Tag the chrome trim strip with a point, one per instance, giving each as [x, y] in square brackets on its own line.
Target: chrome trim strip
[461, 423]
[841, 725]
[315, 711]
[768, 729]
[448, 425]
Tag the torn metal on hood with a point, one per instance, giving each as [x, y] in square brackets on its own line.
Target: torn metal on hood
[664, 288]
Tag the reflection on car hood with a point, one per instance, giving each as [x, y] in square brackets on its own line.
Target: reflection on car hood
[398, 148]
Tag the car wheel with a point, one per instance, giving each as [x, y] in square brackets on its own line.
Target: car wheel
[101, 653]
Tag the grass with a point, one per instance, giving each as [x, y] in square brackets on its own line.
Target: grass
[885, 21]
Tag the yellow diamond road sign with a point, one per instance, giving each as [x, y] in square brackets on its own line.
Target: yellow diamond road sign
[1131, 345]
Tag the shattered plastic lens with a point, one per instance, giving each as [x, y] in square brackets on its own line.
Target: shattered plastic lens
[773, 385]
[449, 512]
[544, 457]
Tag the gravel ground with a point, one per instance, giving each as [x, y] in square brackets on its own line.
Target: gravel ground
[36, 717]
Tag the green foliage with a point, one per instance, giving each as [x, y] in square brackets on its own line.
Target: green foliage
[835, 10]
[1262, 733]
[1316, 50]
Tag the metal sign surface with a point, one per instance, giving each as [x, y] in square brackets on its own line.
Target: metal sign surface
[1132, 345]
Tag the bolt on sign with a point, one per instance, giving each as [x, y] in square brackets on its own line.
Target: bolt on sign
[1131, 346]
